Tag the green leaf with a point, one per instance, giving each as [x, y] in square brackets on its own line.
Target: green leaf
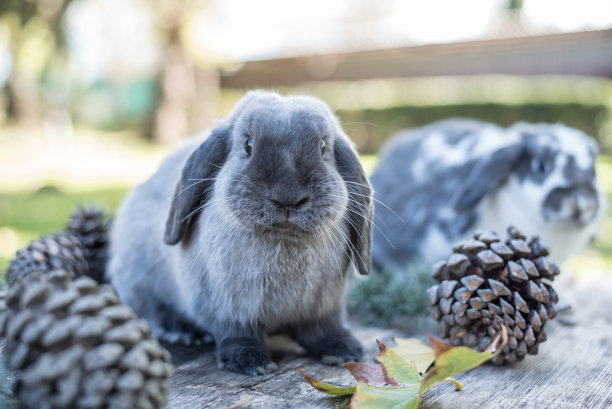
[454, 360]
[371, 397]
[414, 350]
[326, 387]
[397, 367]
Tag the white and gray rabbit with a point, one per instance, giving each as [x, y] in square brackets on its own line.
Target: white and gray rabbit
[250, 231]
[442, 182]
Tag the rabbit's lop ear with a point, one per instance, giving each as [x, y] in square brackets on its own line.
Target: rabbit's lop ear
[194, 186]
[486, 175]
[360, 208]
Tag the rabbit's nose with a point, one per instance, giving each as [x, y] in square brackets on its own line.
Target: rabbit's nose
[290, 203]
[586, 209]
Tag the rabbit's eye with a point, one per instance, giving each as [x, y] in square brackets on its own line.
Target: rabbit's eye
[322, 146]
[539, 166]
[248, 146]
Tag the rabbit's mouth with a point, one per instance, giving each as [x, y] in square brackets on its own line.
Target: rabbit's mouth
[287, 227]
[284, 225]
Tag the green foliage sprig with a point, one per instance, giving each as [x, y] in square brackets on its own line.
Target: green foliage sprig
[387, 298]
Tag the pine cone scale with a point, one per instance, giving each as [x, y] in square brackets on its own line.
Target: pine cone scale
[489, 260]
[446, 288]
[472, 282]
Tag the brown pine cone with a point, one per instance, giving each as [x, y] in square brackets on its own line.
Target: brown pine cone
[90, 225]
[72, 344]
[58, 251]
[486, 284]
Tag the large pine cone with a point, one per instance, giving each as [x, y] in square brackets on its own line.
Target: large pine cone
[74, 345]
[58, 251]
[486, 284]
[90, 225]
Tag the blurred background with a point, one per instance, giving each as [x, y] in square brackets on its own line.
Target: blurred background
[93, 93]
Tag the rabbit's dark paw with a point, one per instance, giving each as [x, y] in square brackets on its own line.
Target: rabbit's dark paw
[334, 348]
[244, 355]
[339, 351]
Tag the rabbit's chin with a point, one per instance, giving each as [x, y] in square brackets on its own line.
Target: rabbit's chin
[285, 229]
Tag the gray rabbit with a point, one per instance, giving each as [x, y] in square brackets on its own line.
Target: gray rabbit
[441, 182]
[252, 230]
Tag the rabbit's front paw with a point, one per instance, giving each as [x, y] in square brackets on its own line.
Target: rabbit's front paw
[339, 351]
[328, 341]
[244, 355]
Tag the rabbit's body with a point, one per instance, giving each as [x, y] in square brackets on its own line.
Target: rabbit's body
[275, 282]
[135, 259]
[442, 182]
[252, 293]
[268, 236]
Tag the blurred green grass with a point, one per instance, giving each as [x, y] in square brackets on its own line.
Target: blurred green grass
[24, 215]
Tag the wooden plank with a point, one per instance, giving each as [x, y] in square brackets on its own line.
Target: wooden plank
[586, 53]
[197, 383]
[572, 370]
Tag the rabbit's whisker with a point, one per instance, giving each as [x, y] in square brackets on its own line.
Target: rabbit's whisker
[334, 239]
[197, 182]
[227, 170]
[369, 220]
[199, 208]
[325, 235]
[348, 241]
[372, 197]
[361, 215]
[359, 123]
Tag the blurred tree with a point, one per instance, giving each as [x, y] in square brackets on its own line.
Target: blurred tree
[189, 92]
[514, 4]
[38, 47]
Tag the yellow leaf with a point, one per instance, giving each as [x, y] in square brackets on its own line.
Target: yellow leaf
[397, 367]
[413, 350]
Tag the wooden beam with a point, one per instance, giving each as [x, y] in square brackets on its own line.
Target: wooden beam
[587, 53]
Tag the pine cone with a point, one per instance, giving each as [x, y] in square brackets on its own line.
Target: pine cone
[77, 346]
[58, 251]
[487, 283]
[90, 226]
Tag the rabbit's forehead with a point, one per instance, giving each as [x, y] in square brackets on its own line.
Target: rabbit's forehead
[570, 144]
[282, 121]
[577, 145]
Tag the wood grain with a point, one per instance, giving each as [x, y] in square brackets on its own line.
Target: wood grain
[572, 370]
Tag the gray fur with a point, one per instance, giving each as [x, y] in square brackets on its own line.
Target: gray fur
[439, 183]
[229, 267]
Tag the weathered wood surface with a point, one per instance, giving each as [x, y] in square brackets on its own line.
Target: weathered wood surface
[198, 383]
[572, 370]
